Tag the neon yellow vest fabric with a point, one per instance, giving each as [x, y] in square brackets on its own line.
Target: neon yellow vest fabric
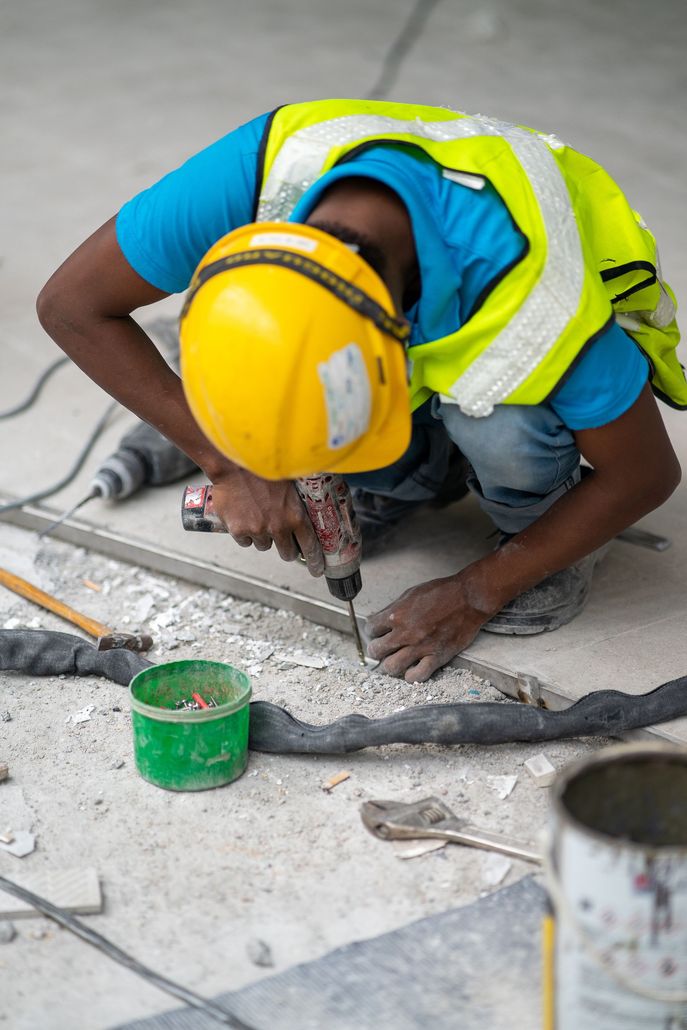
[589, 258]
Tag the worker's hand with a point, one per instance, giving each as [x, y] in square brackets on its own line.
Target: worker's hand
[259, 512]
[426, 627]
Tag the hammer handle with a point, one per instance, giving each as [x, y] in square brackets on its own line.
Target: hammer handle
[32, 593]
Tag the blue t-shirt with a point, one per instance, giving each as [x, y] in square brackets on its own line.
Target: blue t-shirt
[464, 239]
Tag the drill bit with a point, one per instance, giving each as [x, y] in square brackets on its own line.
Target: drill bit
[68, 514]
[356, 633]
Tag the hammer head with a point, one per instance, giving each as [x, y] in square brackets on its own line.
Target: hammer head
[130, 641]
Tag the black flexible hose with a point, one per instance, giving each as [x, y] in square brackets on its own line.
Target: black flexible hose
[43, 652]
[608, 713]
[69, 922]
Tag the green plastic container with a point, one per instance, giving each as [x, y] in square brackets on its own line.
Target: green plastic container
[190, 750]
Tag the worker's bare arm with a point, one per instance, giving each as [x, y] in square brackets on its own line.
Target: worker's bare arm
[635, 470]
[86, 308]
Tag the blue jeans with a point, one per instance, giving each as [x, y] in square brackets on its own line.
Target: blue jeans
[522, 460]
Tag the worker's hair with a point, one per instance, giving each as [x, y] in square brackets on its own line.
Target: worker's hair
[368, 250]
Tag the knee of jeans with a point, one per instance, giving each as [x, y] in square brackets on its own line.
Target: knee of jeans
[525, 449]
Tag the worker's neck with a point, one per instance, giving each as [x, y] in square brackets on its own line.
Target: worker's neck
[374, 213]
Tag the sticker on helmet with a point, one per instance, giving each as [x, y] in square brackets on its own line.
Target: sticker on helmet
[346, 395]
[283, 239]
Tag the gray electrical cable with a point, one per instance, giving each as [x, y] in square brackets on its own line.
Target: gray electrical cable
[35, 389]
[97, 940]
[74, 470]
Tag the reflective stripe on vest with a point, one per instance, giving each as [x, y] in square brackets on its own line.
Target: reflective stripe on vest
[585, 253]
[516, 351]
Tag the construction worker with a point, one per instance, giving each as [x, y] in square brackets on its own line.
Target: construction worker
[375, 285]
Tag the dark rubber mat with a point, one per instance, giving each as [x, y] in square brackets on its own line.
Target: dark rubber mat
[470, 968]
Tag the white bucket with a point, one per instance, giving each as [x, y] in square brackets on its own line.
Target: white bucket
[617, 872]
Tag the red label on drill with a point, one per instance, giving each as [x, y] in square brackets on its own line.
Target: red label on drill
[194, 496]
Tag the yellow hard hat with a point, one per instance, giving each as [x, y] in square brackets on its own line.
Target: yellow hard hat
[291, 357]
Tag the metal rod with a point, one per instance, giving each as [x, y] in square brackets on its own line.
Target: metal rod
[643, 538]
[67, 515]
[356, 633]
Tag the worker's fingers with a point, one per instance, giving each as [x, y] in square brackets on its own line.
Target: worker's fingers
[397, 663]
[310, 548]
[287, 546]
[243, 541]
[262, 541]
[379, 623]
[382, 646]
[422, 670]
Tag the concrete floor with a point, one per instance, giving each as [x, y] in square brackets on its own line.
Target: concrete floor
[100, 99]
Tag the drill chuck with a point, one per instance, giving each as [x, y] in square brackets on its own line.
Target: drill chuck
[120, 475]
[345, 588]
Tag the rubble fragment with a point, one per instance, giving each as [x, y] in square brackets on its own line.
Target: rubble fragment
[541, 770]
[83, 715]
[502, 785]
[260, 953]
[22, 845]
[495, 868]
[74, 890]
[416, 849]
[308, 661]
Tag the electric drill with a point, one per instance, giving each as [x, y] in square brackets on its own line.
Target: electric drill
[144, 457]
[328, 502]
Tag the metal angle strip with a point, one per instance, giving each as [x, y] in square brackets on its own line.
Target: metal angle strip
[193, 570]
[520, 686]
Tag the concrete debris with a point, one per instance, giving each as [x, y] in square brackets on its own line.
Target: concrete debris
[15, 812]
[308, 661]
[416, 849]
[83, 715]
[495, 868]
[22, 845]
[7, 932]
[335, 780]
[118, 764]
[186, 636]
[7, 837]
[541, 770]
[259, 953]
[258, 650]
[75, 890]
[91, 585]
[4, 771]
[5, 717]
[142, 609]
[164, 620]
[502, 785]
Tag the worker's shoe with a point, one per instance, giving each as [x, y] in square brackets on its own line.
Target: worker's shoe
[550, 604]
[379, 515]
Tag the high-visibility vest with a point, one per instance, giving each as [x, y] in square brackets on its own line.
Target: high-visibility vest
[589, 257]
